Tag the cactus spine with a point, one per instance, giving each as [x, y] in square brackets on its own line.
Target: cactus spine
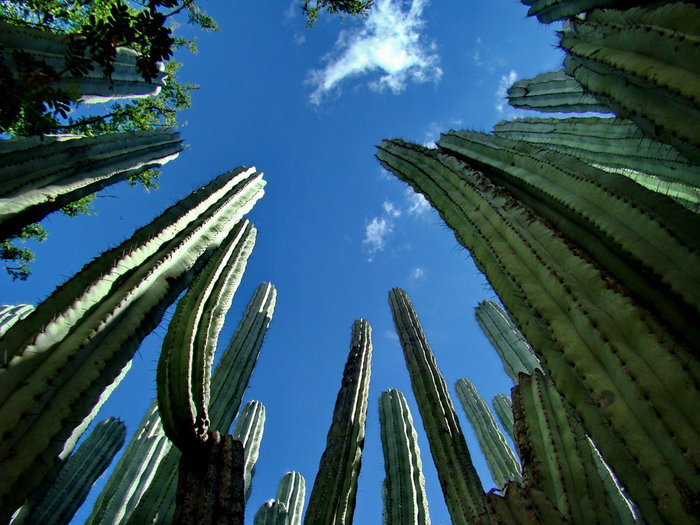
[500, 458]
[403, 491]
[503, 407]
[515, 352]
[79, 473]
[41, 175]
[460, 483]
[605, 354]
[249, 429]
[81, 337]
[332, 499]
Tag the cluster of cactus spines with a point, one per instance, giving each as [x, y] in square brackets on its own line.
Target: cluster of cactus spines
[79, 473]
[249, 429]
[93, 87]
[332, 499]
[600, 212]
[502, 462]
[403, 490]
[288, 507]
[553, 92]
[503, 407]
[633, 386]
[614, 145]
[228, 384]
[39, 176]
[63, 355]
[515, 352]
[9, 315]
[460, 483]
[642, 63]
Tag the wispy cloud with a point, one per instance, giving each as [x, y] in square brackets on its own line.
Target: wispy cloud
[376, 232]
[388, 42]
[503, 84]
[417, 273]
[417, 204]
[390, 209]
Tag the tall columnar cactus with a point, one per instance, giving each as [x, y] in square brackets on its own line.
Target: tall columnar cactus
[503, 407]
[554, 92]
[229, 382]
[79, 473]
[643, 63]
[602, 212]
[503, 464]
[62, 356]
[631, 383]
[288, 507]
[41, 175]
[272, 512]
[10, 314]
[458, 478]
[615, 145]
[515, 352]
[94, 87]
[249, 429]
[332, 499]
[403, 490]
[550, 10]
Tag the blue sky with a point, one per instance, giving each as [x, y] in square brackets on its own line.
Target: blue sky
[335, 231]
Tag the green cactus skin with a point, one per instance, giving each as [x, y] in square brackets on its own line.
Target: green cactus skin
[210, 483]
[503, 407]
[184, 367]
[403, 490]
[332, 499]
[643, 63]
[614, 145]
[460, 483]
[81, 336]
[645, 240]
[229, 382]
[79, 473]
[291, 492]
[632, 385]
[272, 512]
[41, 175]
[548, 11]
[249, 429]
[502, 462]
[515, 352]
[553, 92]
[93, 88]
[11, 313]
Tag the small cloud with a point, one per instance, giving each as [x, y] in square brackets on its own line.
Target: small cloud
[503, 84]
[417, 273]
[390, 209]
[417, 204]
[389, 42]
[375, 235]
[390, 334]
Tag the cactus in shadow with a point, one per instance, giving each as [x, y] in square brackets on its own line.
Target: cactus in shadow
[503, 407]
[332, 499]
[515, 352]
[644, 64]
[10, 314]
[550, 10]
[288, 507]
[633, 385]
[501, 460]
[61, 357]
[78, 474]
[403, 490]
[249, 429]
[553, 92]
[40, 175]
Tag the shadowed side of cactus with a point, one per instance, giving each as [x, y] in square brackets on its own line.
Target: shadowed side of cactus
[332, 499]
[550, 10]
[553, 92]
[403, 490]
[503, 407]
[249, 429]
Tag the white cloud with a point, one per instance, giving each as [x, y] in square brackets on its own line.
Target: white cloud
[417, 273]
[375, 235]
[417, 204]
[503, 84]
[390, 209]
[390, 42]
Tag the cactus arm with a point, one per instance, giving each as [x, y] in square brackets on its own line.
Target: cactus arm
[503, 408]
[515, 352]
[641, 431]
[548, 11]
[63, 355]
[500, 458]
[249, 429]
[291, 492]
[553, 92]
[332, 499]
[272, 512]
[403, 491]
[458, 478]
[10, 314]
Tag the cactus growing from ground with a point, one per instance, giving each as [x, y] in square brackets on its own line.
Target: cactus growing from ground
[503, 407]
[403, 490]
[81, 337]
[78, 474]
[633, 385]
[249, 429]
[501, 460]
[332, 499]
[41, 175]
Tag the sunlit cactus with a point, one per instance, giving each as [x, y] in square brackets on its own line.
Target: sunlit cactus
[502, 462]
[10, 314]
[332, 499]
[249, 429]
[403, 490]
[272, 512]
[39, 175]
[60, 359]
[288, 507]
[503, 407]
